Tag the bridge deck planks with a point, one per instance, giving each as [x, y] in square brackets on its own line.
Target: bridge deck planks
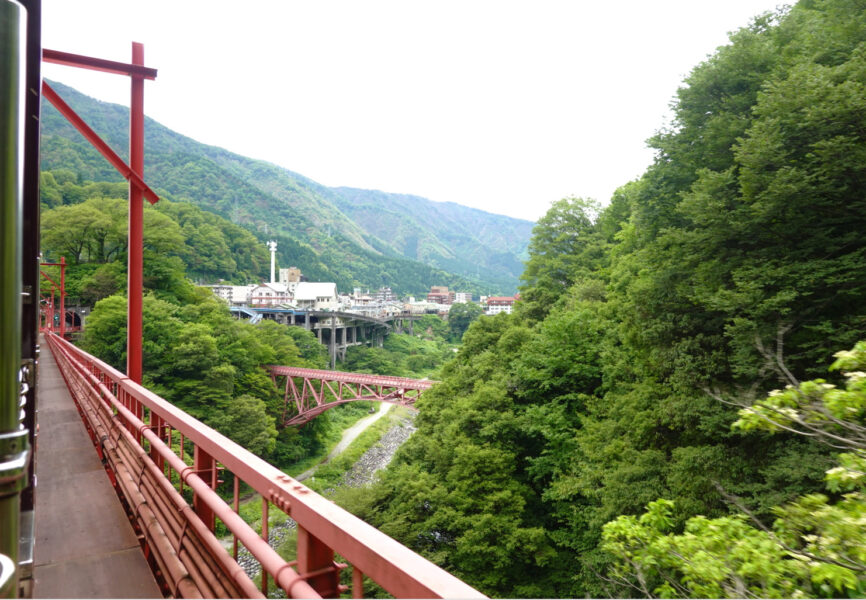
[85, 546]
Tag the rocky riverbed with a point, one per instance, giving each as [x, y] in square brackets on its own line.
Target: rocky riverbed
[362, 473]
[379, 455]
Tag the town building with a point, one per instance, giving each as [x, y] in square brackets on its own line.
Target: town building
[385, 294]
[316, 296]
[291, 275]
[498, 304]
[440, 295]
[463, 297]
[234, 295]
[269, 294]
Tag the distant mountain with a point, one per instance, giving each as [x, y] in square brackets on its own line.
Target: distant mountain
[441, 234]
[328, 232]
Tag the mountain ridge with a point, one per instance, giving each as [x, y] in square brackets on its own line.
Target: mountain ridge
[275, 201]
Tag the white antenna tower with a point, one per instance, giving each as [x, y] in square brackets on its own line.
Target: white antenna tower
[272, 246]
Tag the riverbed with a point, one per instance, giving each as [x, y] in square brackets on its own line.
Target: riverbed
[362, 473]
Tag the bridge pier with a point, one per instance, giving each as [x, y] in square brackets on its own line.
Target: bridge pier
[334, 330]
[333, 344]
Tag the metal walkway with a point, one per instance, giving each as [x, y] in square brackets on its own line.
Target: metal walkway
[85, 545]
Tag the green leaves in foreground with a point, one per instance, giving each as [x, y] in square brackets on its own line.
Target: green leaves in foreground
[816, 547]
[713, 558]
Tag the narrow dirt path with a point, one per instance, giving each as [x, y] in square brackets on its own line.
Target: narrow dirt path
[361, 473]
[349, 436]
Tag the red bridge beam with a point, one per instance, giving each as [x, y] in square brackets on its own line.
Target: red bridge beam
[133, 172]
[97, 64]
[313, 391]
[417, 384]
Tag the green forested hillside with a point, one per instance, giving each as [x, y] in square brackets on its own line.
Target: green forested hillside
[271, 202]
[734, 266]
[443, 234]
[195, 353]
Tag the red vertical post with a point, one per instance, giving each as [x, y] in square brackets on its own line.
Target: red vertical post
[313, 556]
[62, 296]
[159, 427]
[266, 538]
[136, 222]
[203, 464]
[51, 308]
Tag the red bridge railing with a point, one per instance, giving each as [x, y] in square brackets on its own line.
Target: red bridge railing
[145, 440]
[310, 392]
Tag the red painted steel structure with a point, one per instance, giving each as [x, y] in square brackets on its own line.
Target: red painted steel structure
[47, 310]
[179, 537]
[312, 391]
[62, 265]
[136, 222]
[97, 142]
[133, 172]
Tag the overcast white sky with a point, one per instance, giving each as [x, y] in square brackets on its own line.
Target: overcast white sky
[500, 105]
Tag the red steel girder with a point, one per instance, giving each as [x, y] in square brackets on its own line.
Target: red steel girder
[133, 172]
[384, 380]
[317, 391]
[97, 64]
[62, 265]
[98, 143]
[135, 256]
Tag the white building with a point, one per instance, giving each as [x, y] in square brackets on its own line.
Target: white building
[234, 295]
[422, 307]
[269, 294]
[316, 296]
[498, 304]
[463, 297]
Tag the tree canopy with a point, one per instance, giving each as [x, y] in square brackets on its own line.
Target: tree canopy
[600, 396]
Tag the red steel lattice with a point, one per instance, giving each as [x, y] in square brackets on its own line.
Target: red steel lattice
[310, 392]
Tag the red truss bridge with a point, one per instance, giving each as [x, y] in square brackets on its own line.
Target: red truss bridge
[310, 392]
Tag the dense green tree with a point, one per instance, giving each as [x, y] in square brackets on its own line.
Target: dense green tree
[106, 280]
[246, 422]
[403, 354]
[78, 232]
[95, 230]
[741, 242]
[460, 316]
[815, 547]
[431, 326]
[565, 247]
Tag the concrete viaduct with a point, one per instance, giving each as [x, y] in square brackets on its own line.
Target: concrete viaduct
[334, 329]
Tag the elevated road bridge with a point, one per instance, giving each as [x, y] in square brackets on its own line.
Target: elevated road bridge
[336, 330]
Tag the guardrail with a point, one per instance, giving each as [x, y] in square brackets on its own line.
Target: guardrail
[136, 432]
